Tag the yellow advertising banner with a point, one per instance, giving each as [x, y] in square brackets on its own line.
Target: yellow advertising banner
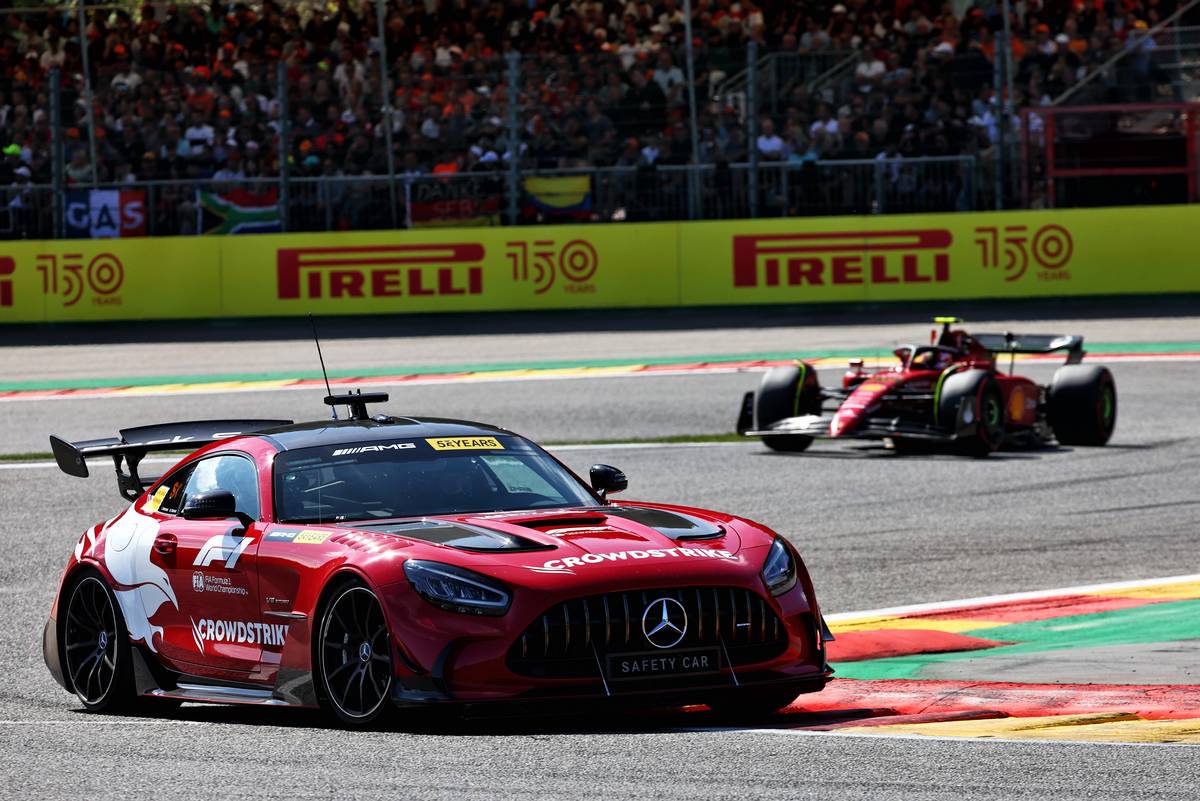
[109, 279]
[1112, 251]
[944, 256]
[488, 269]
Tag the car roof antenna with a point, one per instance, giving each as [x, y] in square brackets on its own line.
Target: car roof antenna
[316, 339]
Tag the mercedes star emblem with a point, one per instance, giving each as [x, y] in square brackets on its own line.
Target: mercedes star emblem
[664, 622]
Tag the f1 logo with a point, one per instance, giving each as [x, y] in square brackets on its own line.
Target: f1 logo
[7, 267]
[224, 548]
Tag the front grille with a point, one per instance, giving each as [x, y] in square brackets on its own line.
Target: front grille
[569, 638]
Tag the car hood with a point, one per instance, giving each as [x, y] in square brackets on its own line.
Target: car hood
[597, 543]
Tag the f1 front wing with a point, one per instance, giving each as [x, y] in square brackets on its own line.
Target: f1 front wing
[818, 426]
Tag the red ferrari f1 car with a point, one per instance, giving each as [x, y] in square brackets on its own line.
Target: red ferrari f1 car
[952, 391]
[382, 561]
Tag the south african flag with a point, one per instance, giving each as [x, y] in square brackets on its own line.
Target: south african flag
[238, 212]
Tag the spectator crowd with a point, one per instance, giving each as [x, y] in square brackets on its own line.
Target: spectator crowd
[191, 90]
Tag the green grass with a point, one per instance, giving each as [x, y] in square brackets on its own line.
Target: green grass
[26, 457]
[1096, 349]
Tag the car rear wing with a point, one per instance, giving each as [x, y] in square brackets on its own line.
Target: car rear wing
[131, 446]
[1009, 342]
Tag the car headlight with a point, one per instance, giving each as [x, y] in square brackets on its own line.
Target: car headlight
[456, 588]
[779, 571]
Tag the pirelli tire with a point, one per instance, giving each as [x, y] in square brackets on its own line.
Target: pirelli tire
[1081, 406]
[788, 391]
[971, 407]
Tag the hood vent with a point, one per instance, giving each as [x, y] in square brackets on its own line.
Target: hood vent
[542, 523]
[675, 525]
[462, 536]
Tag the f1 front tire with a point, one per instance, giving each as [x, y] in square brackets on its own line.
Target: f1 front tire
[788, 391]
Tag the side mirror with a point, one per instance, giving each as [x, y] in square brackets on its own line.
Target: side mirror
[215, 505]
[607, 480]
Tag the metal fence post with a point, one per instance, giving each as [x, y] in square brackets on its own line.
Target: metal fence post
[56, 151]
[752, 122]
[693, 127]
[385, 92]
[326, 195]
[971, 172]
[878, 207]
[285, 143]
[773, 82]
[87, 93]
[998, 89]
[514, 136]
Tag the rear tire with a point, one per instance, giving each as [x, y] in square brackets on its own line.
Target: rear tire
[96, 651]
[788, 391]
[984, 417]
[353, 656]
[1082, 405]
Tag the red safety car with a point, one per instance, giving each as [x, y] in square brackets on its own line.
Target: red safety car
[383, 561]
[953, 391]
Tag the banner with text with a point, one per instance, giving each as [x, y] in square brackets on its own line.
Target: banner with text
[453, 270]
[105, 213]
[455, 201]
[1120, 251]
[935, 257]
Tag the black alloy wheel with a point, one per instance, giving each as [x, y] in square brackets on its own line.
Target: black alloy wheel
[91, 645]
[354, 656]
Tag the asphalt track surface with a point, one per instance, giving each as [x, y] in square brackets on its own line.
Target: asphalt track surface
[876, 530]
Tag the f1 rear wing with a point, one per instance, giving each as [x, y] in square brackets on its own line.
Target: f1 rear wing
[1009, 342]
[132, 445]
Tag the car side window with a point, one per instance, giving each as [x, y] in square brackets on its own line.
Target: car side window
[172, 488]
[235, 474]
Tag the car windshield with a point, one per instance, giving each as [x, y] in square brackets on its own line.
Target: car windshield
[420, 477]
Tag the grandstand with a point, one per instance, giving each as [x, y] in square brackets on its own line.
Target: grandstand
[218, 111]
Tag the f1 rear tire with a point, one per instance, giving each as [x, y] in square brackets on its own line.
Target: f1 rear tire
[788, 391]
[1082, 405]
[979, 427]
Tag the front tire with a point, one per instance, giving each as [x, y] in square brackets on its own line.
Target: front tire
[788, 391]
[980, 426]
[1082, 405]
[354, 656]
[96, 647]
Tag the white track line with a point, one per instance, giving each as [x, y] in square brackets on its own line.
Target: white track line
[862, 735]
[484, 378]
[987, 600]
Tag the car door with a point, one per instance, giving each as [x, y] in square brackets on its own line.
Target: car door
[212, 565]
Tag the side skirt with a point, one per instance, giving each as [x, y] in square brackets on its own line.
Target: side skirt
[152, 680]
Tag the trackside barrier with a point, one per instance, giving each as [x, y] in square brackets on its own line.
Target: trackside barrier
[1113, 251]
